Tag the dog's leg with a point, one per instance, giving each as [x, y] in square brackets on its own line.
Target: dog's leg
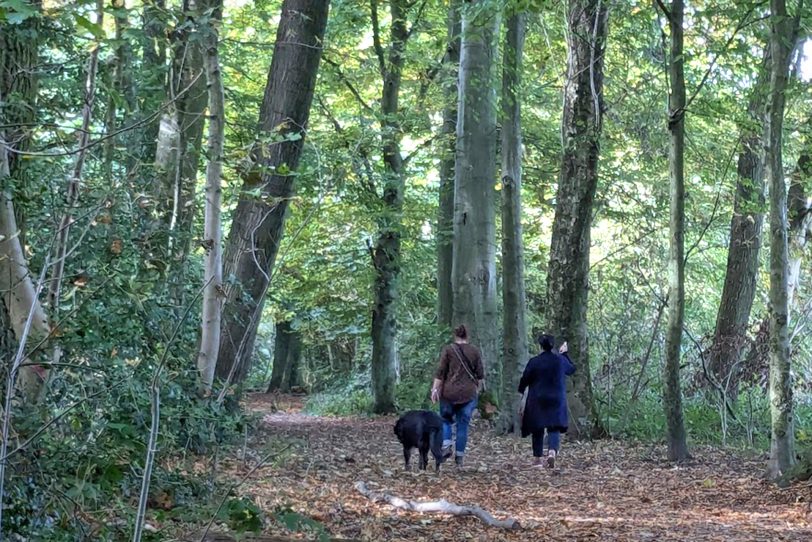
[407, 453]
[424, 458]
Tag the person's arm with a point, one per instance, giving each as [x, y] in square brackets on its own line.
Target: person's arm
[525, 380]
[439, 376]
[569, 367]
[479, 372]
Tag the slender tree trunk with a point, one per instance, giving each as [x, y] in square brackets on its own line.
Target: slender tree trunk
[474, 261]
[514, 327]
[282, 341]
[386, 257]
[180, 139]
[152, 85]
[782, 454]
[72, 192]
[567, 275]
[258, 222]
[212, 237]
[672, 394]
[445, 217]
[730, 336]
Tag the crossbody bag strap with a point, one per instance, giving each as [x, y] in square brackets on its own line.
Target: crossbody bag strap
[464, 361]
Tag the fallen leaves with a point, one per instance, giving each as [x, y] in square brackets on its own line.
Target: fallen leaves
[608, 491]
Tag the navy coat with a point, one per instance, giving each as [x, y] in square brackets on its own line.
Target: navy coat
[546, 377]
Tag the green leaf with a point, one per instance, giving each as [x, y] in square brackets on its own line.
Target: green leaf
[93, 28]
[16, 11]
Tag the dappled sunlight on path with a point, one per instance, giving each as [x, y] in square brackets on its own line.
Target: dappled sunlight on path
[598, 491]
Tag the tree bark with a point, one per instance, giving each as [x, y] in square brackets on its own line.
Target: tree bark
[180, 137]
[782, 454]
[386, 256]
[18, 94]
[281, 347]
[672, 393]
[568, 270]
[258, 221]
[445, 215]
[733, 317]
[514, 327]
[152, 86]
[474, 253]
[212, 236]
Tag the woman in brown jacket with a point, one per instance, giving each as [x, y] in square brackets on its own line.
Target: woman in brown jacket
[456, 385]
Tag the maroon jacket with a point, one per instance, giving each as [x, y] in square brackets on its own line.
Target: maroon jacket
[460, 385]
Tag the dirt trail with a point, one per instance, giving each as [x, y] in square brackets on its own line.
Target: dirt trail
[598, 491]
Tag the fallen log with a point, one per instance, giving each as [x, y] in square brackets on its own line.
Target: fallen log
[442, 506]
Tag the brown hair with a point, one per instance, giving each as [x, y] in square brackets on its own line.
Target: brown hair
[461, 331]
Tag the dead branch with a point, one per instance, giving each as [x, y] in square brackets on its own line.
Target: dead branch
[442, 506]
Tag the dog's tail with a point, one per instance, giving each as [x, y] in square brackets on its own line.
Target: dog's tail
[398, 425]
[436, 442]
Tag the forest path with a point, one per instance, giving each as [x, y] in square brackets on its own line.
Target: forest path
[598, 491]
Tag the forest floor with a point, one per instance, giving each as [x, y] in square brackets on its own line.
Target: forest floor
[598, 491]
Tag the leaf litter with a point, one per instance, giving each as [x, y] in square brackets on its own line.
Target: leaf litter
[603, 490]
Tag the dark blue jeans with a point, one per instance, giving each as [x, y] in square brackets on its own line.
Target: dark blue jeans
[461, 413]
[553, 441]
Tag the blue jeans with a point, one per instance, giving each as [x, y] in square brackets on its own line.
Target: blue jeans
[462, 413]
[553, 441]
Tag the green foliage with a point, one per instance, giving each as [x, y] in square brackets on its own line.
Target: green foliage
[242, 515]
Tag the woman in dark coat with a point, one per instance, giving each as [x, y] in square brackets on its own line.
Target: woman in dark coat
[545, 378]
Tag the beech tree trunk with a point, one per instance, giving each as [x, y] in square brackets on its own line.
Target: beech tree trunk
[514, 327]
[672, 393]
[782, 454]
[474, 251]
[448, 148]
[281, 357]
[386, 256]
[18, 95]
[212, 236]
[180, 136]
[258, 221]
[730, 336]
[568, 270]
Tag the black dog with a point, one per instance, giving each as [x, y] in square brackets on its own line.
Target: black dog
[422, 429]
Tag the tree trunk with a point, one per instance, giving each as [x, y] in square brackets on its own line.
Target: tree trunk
[672, 394]
[258, 221]
[281, 347]
[474, 260]
[445, 216]
[180, 138]
[152, 85]
[514, 327]
[19, 60]
[730, 336]
[18, 95]
[567, 275]
[386, 257]
[293, 367]
[212, 236]
[781, 447]
[800, 219]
